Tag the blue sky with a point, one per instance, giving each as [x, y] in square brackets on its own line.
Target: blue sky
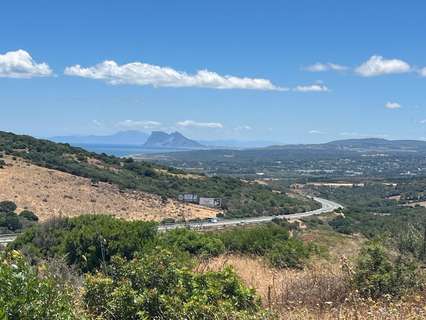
[327, 69]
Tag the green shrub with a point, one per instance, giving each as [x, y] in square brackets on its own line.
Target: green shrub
[289, 254]
[28, 215]
[26, 293]
[193, 242]
[159, 286]
[7, 206]
[87, 241]
[377, 275]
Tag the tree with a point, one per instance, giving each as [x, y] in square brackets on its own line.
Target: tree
[7, 206]
[29, 215]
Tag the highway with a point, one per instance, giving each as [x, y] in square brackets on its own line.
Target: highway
[6, 238]
[326, 206]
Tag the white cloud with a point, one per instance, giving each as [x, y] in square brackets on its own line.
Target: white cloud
[20, 64]
[316, 132]
[423, 121]
[422, 72]
[321, 67]
[243, 128]
[143, 74]
[317, 87]
[194, 124]
[138, 124]
[97, 123]
[377, 65]
[392, 105]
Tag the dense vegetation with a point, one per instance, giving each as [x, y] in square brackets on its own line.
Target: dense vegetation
[239, 198]
[155, 286]
[126, 270]
[131, 271]
[373, 211]
[89, 242]
[10, 221]
[27, 292]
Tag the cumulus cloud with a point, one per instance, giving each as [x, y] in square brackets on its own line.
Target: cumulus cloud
[317, 87]
[321, 67]
[392, 105]
[138, 73]
[138, 124]
[20, 64]
[195, 124]
[377, 65]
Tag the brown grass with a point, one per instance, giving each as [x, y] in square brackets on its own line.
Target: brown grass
[320, 291]
[51, 193]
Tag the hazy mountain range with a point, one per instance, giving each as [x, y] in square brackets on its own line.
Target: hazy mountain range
[158, 139]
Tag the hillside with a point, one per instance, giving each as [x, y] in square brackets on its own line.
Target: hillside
[52, 193]
[122, 177]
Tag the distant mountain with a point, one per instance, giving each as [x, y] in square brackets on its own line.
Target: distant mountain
[375, 144]
[131, 137]
[360, 145]
[237, 144]
[174, 140]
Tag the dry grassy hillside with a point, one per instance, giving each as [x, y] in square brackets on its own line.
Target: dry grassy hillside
[321, 290]
[52, 193]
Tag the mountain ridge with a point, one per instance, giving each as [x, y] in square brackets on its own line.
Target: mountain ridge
[163, 140]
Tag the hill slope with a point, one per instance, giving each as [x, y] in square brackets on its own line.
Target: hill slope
[52, 193]
[125, 175]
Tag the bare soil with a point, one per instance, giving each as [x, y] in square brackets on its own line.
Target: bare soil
[51, 193]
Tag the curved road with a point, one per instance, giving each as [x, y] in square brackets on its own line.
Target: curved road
[326, 206]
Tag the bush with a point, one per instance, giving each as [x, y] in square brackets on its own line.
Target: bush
[289, 254]
[342, 225]
[254, 240]
[26, 293]
[10, 221]
[158, 286]
[7, 206]
[193, 242]
[87, 241]
[376, 275]
[28, 215]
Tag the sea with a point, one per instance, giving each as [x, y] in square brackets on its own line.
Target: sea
[119, 150]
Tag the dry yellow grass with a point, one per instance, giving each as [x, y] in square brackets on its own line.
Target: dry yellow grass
[52, 193]
[319, 292]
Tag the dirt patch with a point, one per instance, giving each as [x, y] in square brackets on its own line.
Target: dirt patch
[52, 193]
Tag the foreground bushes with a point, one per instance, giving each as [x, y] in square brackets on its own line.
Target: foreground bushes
[89, 242]
[159, 286]
[28, 292]
[377, 275]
